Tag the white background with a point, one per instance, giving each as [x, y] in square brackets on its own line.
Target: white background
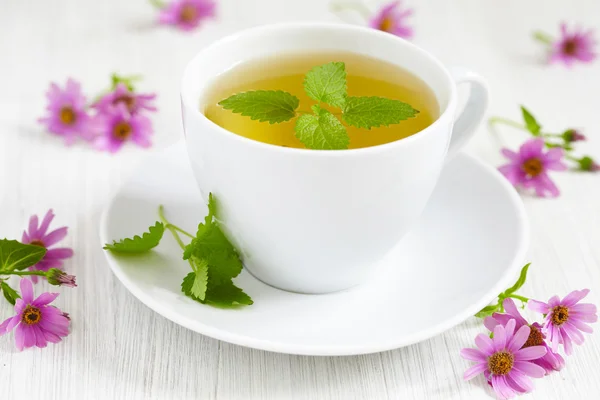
[119, 349]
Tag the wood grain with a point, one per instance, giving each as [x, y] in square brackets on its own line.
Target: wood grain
[119, 349]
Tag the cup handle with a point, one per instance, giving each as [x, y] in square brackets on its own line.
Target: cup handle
[470, 117]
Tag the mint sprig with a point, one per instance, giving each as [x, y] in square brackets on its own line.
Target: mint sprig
[213, 259]
[321, 129]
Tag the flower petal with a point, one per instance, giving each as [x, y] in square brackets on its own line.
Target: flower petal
[59, 253]
[529, 369]
[484, 343]
[512, 173]
[519, 339]
[531, 149]
[4, 325]
[490, 323]
[574, 297]
[473, 355]
[13, 323]
[33, 226]
[511, 308]
[499, 338]
[522, 380]
[581, 326]
[538, 306]
[511, 155]
[28, 335]
[46, 222]
[573, 333]
[530, 353]
[567, 343]
[503, 391]
[474, 371]
[55, 236]
[554, 301]
[20, 337]
[510, 381]
[26, 290]
[44, 299]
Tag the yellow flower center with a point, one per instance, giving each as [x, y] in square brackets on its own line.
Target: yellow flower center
[501, 363]
[188, 13]
[122, 131]
[535, 338]
[533, 167]
[386, 24]
[67, 116]
[560, 315]
[31, 315]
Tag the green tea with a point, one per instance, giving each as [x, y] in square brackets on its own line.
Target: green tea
[365, 77]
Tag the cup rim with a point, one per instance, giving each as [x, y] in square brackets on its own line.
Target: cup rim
[187, 101]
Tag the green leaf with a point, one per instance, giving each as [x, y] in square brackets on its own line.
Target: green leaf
[10, 294]
[227, 295]
[327, 83]
[18, 256]
[138, 244]
[530, 122]
[487, 311]
[369, 112]
[264, 105]
[195, 283]
[322, 131]
[520, 282]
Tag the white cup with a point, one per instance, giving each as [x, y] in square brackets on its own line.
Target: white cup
[317, 221]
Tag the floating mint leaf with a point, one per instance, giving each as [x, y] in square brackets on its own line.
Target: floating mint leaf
[322, 131]
[530, 122]
[327, 83]
[18, 256]
[9, 293]
[138, 244]
[274, 106]
[372, 112]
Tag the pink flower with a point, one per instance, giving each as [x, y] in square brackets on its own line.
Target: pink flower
[529, 168]
[67, 114]
[504, 361]
[39, 236]
[59, 278]
[551, 361]
[121, 126]
[187, 14]
[392, 20]
[566, 319]
[573, 47]
[36, 322]
[121, 95]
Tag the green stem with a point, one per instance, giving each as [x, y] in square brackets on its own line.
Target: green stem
[23, 273]
[157, 3]
[570, 157]
[170, 227]
[516, 296]
[358, 7]
[505, 121]
[543, 37]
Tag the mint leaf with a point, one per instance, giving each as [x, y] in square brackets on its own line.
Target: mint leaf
[322, 131]
[530, 122]
[264, 105]
[9, 293]
[138, 244]
[18, 256]
[369, 112]
[195, 283]
[520, 282]
[227, 294]
[327, 83]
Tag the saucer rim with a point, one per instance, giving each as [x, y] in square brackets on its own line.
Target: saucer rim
[324, 350]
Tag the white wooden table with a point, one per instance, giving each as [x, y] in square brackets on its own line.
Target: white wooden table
[119, 349]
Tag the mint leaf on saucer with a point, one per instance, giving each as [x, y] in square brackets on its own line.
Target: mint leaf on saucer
[372, 112]
[322, 131]
[327, 83]
[273, 106]
[227, 294]
[530, 122]
[18, 256]
[9, 293]
[195, 283]
[138, 244]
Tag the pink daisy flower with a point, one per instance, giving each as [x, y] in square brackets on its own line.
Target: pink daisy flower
[566, 319]
[504, 361]
[187, 14]
[572, 47]
[67, 114]
[120, 126]
[38, 235]
[529, 167]
[551, 361]
[121, 95]
[392, 19]
[36, 322]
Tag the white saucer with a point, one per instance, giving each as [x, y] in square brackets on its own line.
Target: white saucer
[468, 247]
